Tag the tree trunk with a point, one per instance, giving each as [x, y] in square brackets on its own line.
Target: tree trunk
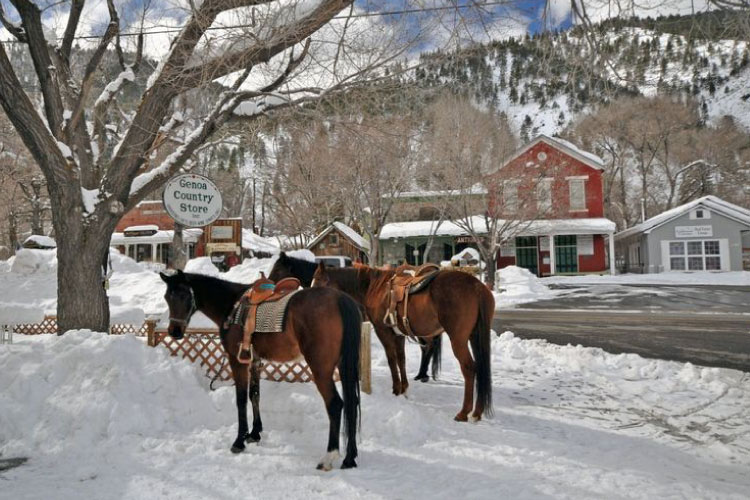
[81, 296]
[490, 265]
[12, 232]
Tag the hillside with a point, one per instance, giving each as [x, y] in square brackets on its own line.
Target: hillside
[543, 82]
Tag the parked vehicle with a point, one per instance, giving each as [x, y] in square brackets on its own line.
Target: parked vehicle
[334, 260]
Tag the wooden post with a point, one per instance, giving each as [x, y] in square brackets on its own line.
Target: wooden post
[365, 371]
[150, 330]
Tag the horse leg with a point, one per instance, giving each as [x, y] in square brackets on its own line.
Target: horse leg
[460, 347]
[241, 375]
[388, 339]
[401, 351]
[334, 406]
[254, 435]
[426, 352]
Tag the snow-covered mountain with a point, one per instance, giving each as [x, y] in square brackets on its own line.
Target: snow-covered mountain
[544, 82]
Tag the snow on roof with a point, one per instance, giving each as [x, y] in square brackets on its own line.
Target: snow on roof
[145, 227]
[710, 202]
[353, 235]
[257, 243]
[565, 146]
[348, 232]
[190, 235]
[476, 189]
[597, 225]
[40, 241]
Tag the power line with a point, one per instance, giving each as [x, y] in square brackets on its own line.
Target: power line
[416, 10]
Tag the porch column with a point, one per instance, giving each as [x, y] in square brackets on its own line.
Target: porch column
[612, 254]
[552, 263]
[153, 252]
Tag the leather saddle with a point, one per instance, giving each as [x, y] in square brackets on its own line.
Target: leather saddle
[262, 291]
[407, 281]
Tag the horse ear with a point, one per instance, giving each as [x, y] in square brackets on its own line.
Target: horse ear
[282, 257]
[164, 277]
[321, 268]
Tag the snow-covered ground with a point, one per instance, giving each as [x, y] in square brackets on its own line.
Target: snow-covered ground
[732, 278]
[108, 417]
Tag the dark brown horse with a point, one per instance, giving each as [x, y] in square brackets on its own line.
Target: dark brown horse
[455, 302]
[321, 325]
[431, 349]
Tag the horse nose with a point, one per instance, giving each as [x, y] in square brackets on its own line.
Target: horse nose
[174, 331]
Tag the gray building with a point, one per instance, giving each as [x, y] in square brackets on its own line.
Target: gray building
[708, 234]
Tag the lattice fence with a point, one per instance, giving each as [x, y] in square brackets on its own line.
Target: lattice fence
[49, 326]
[205, 347]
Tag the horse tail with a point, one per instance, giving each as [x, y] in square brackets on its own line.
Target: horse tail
[480, 344]
[437, 355]
[349, 369]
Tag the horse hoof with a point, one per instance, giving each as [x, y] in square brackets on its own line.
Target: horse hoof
[326, 463]
[460, 418]
[237, 449]
[475, 418]
[252, 438]
[422, 378]
[349, 464]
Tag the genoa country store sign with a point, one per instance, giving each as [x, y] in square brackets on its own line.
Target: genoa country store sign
[192, 200]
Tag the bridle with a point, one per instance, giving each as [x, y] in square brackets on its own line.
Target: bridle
[193, 309]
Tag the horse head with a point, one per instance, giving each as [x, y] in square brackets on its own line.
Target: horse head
[321, 277]
[181, 301]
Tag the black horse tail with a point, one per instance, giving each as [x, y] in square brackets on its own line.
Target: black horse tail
[349, 370]
[437, 355]
[480, 344]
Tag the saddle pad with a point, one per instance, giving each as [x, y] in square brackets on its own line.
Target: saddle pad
[270, 315]
[418, 287]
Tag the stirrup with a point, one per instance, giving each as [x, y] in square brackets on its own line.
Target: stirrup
[248, 359]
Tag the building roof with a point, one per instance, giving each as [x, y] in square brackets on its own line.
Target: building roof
[712, 203]
[542, 227]
[475, 190]
[566, 147]
[350, 234]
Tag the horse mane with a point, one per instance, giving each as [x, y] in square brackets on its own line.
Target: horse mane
[299, 267]
[215, 291]
[357, 280]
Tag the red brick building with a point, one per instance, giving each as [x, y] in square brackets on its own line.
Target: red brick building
[553, 193]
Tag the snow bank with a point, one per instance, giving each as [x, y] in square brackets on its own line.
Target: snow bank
[202, 265]
[32, 261]
[303, 254]
[518, 285]
[42, 241]
[87, 391]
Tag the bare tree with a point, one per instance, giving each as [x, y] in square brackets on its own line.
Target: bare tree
[99, 162]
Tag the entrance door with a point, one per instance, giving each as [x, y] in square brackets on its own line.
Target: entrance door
[526, 253]
[566, 254]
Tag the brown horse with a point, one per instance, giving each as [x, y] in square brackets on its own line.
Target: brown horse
[454, 302]
[431, 349]
[321, 325]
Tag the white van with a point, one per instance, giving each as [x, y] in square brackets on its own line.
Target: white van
[334, 260]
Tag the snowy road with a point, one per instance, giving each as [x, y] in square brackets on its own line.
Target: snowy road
[107, 417]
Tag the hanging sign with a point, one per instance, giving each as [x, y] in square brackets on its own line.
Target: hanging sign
[192, 200]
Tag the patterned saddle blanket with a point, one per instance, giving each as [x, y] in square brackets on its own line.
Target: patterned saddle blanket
[270, 316]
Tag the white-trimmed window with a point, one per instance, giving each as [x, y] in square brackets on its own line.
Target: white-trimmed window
[544, 195]
[695, 255]
[577, 191]
[510, 195]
